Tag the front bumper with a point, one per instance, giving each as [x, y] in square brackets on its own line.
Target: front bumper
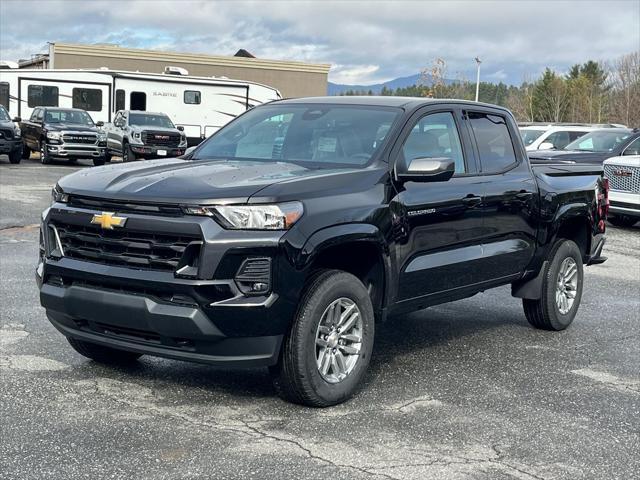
[152, 151]
[8, 146]
[69, 150]
[204, 319]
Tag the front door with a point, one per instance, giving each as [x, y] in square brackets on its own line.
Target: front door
[439, 224]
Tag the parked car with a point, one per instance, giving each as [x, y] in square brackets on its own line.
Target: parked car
[549, 137]
[63, 134]
[284, 237]
[594, 147]
[136, 134]
[623, 174]
[10, 136]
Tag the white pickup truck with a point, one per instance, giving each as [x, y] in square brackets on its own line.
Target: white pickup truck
[137, 135]
[623, 174]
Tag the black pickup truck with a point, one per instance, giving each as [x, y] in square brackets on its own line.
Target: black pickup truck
[282, 239]
[63, 134]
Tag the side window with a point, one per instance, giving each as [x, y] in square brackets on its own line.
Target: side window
[633, 148]
[434, 135]
[559, 139]
[89, 99]
[42, 96]
[4, 94]
[192, 97]
[119, 100]
[493, 140]
[34, 115]
[575, 135]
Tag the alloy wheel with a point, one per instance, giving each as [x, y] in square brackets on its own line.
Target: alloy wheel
[567, 285]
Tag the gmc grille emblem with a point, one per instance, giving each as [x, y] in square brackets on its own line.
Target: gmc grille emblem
[162, 137]
[622, 173]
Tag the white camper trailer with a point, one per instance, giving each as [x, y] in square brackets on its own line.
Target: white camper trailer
[199, 104]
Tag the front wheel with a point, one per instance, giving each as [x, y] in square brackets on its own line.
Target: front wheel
[15, 157]
[45, 159]
[127, 153]
[561, 289]
[327, 351]
[101, 353]
[97, 161]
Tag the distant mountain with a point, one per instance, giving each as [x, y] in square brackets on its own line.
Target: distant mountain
[338, 88]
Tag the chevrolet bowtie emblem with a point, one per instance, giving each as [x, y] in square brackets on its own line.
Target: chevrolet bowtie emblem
[107, 220]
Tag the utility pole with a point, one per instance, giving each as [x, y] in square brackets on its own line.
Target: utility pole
[478, 61]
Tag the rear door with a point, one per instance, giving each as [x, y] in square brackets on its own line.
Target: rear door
[439, 231]
[509, 196]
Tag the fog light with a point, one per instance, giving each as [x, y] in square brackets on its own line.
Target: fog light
[259, 287]
[254, 276]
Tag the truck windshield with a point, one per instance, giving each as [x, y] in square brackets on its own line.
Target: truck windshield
[530, 135]
[76, 117]
[599, 141]
[317, 136]
[150, 120]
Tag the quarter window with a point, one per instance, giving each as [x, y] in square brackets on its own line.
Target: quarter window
[42, 96]
[4, 94]
[434, 136]
[192, 97]
[493, 140]
[89, 99]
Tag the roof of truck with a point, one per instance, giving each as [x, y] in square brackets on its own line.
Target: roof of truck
[384, 101]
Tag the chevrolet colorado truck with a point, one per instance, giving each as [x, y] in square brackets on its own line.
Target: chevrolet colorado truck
[63, 133]
[281, 240]
[10, 136]
[137, 134]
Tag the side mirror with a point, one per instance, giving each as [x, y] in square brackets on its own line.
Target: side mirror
[180, 127]
[438, 169]
[100, 124]
[17, 120]
[546, 146]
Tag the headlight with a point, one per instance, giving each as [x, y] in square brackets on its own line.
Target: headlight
[253, 217]
[57, 195]
[102, 137]
[136, 134]
[16, 131]
[54, 135]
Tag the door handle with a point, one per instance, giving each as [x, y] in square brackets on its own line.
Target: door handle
[524, 195]
[471, 200]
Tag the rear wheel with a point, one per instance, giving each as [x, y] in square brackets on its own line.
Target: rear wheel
[561, 289]
[15, 156]
[45, 159]
[622, 220]
[326, 353]
[102, 354]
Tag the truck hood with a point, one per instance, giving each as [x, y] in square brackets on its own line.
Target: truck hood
[576, 156]
[186, 181]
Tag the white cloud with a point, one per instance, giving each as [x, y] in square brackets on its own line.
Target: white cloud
[399, 38]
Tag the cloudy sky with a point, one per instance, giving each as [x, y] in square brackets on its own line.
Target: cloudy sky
[366, 42]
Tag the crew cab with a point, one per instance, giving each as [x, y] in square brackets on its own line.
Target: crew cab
[285, 237]
[594, 147]
[63, 134]
[10, 136]
[137, 135]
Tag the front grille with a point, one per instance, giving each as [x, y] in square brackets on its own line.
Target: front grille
[160, 139]
[623, 178]
[83, 138]
[139, 250]
[6, 134]
[118, 206]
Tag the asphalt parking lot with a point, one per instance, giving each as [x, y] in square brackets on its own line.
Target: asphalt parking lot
[462, 390]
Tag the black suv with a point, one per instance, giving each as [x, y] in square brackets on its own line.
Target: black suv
[284, 237]
[10, 138]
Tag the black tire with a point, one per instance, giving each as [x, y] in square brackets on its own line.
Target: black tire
[101, 353]
[127, 153]
[624, 221]
[545, 313]
[26, 152]
[297, 378]
[15, 157]
[45, 159]
[107, 157]
[97, 161]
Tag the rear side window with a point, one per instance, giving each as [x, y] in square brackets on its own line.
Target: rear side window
[192, 97]
[4, 95]
[42, 96]
[89, 99]
[493, 140]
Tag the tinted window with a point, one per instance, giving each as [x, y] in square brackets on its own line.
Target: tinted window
[119, 100]
[434, 136]
[493, 140]
[321, 136]
[42, 96]
[89, 99]
[4, 115]
[4, 94]
[529, 135]
[192, 97]
[600, 141]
